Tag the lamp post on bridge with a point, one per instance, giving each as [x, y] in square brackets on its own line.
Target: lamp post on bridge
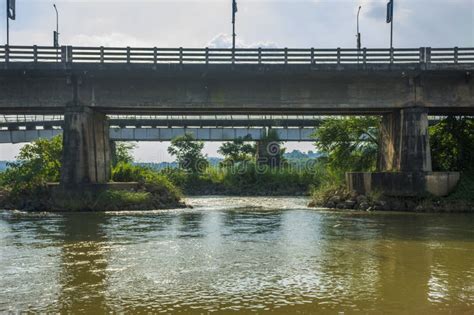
[56, 32]
[234, 11]
[390, 7]
[358, 35]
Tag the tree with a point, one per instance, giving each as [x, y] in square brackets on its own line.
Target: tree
[122, 152]
[452, 144]
[188, 153]
[349, 144]
[37, 163]
[236, 151]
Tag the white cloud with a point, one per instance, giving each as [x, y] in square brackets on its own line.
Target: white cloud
[225, 41]
[111, 40]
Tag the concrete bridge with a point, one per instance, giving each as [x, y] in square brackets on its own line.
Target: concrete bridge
[87, 83]
[20, 129]
[168, 134]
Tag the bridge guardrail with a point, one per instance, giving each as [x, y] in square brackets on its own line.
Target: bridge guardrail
[71, 54]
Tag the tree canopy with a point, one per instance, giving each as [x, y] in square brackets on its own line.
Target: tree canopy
[188, 153]
[349, 144]
[37, 163]
[236, 151]
[122, 152]
[452, 144]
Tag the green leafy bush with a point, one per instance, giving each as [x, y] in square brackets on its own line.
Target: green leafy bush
[464, 189]
[452, 144]
[24, 184]
[37, 164]
[151, 180]
[349, 144]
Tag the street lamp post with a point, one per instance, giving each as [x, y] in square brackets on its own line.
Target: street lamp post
[8, 23]
[358, 35]
[390, 7]
[391, 26]
[234, 11]
[56, 33]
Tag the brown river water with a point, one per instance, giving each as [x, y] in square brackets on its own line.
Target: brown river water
[237, 255]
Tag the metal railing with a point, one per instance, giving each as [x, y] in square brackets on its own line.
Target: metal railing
[127, 55]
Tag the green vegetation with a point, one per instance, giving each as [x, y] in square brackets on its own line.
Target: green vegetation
[465, 188]
[37, 164]
[452, 144]
[239, 173]
[348, 144]
[246, 179]
[24, 185]
[108, 200]
[151, 181]
[236, 151]
[351, 145]
[122, 152]
[343, 145]
[452, 149]
[188, 153]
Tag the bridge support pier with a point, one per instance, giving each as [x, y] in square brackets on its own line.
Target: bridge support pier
[404, 159]
[86, 148]
[268, 153]
[404, 141]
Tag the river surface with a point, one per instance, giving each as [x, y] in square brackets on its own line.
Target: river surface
[247, 255]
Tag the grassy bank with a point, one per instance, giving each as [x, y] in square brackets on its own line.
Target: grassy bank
[44, 199]
[24, 185]
[245, 179]
[152, 191]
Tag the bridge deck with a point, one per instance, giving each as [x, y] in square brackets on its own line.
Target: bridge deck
[37, 79]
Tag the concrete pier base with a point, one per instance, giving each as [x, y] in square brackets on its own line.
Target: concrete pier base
[404, 144]
[404, 160]
[86, 153]
[403, 184]
[268, 153]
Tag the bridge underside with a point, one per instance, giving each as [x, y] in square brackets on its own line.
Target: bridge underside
[226, 89]
[168, 134]
[404, 95]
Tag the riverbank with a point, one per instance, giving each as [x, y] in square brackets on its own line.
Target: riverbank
[143, 197]
[213, 189]
[461, 200]
[244, 180]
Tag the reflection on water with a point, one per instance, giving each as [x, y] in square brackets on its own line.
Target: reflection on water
[237, 254]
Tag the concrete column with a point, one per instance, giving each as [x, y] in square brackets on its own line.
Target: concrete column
[404, 141]
[268, 153]
[86, 153]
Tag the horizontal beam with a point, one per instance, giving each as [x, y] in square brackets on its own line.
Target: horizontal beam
[170, 123]
[168, 134]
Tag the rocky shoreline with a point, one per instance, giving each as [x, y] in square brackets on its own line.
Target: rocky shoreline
[343, 200]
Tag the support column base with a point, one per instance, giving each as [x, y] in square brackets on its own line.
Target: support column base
[403, 184]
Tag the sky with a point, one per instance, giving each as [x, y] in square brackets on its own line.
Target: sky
[260, 23]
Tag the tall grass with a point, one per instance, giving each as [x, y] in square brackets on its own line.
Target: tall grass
[247, 179]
